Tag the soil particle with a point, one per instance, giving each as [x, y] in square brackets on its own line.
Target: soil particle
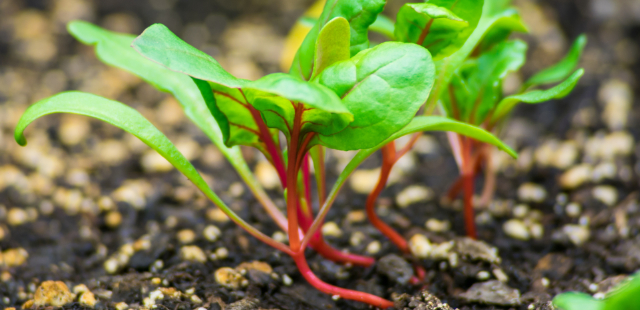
[52, 293]
[395, 268]
[492, 292]
[474, 250]
[421, 301]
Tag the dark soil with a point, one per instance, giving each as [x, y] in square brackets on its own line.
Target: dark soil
[71, 242]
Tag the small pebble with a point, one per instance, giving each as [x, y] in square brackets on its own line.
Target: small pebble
[236, 189]
[483, 275]
[280, 237]
[420, 246]
[195, 299]
[500, 275]
[267, 175]
[52, 293]
[545, 282]
[211, 233]
[331, 229]
[373, 247]
[532, 192]
[121, 306]
[111, 265]
[113, 219]
[573, 209]
[438, 226]
[286, 280]
[216, 215]
[364, 181]
[604, 171]
[88, 299]
[606, 194]
[356, 216]
[222, 253]
[192, 253]
[576, 176]
[520, 211]
[229, 278]
[357, 238]
[17, 216]
[413, 194]
[186, 236]
[536, 230]
[565, 155]
[516, 229]
[577, 234]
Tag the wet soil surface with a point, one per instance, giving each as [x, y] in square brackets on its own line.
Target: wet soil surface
[86, 204]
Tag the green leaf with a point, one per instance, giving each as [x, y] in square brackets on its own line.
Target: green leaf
[332, 44]
[115, 49]
[383, 87]
[563, 68]
[384, 26]
[161, 45]
[579, 301]
[275, 95]
[235, 116]
[360, 14]
[477, 86]
[625, 295]
[508, 22]
[536, 96]
[431, 26]
[123, 117]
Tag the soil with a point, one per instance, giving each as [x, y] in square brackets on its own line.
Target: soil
[76, 208]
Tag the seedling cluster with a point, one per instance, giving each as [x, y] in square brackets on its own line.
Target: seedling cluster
[339, 94]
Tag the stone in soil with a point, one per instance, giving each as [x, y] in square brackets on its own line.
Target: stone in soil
[492, 292]
[421, 301]
[476, 250]
[52, 293]
[395, 268]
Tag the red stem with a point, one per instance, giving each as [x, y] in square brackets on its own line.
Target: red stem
[292, 188]
[425, 32]
[265, 135]
[326, 288]
[468, 175]
[388, 159]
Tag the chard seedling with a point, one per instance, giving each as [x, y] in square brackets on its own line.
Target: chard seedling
[468, 40]
[340, 94]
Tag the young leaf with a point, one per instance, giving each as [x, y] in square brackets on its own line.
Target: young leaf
[161, 45]
[132, 121]
[277, 95]
[563, 68]
[360, 14]
[383, 87]
[332, 44]
[509, 22]
[238, 120]
[115, 49]
[537, 96]
[482, 81]
[625, 295]
[431, 26]
[442, 26]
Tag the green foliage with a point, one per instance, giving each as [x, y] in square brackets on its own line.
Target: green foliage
[121, 116]
[383, 87]
[277, 95]
[563, 68]
[161, 45]
[332, 44]
[622, 297]
[478, 85]
[360, 14]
